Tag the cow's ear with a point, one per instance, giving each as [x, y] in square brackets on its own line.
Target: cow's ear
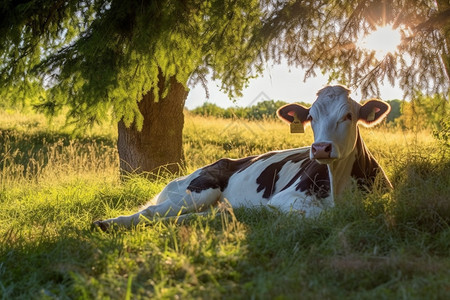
[289, 112]
[373, 112]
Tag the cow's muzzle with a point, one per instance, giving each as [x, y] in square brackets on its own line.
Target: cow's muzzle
[321, 150]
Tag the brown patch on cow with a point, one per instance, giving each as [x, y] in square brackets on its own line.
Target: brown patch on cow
[268, 178]
[217, 174]
[314, 178]
[365, 168]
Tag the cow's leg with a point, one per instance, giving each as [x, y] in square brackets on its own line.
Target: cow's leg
[181, 218]
[171, 202]
[292, 201]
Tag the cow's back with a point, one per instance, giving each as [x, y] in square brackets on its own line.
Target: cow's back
[285, 179]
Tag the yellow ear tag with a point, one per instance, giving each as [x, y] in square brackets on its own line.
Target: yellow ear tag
[297, 126]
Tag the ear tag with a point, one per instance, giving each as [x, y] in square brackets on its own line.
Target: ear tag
[297, 125]
[371, 116]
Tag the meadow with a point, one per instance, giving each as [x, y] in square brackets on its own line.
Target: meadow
[54, 184]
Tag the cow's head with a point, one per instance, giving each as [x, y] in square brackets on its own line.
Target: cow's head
[334, 118]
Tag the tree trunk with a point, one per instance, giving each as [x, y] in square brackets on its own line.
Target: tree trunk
[158, 146]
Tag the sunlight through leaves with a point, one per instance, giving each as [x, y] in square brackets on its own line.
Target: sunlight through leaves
[383, 41]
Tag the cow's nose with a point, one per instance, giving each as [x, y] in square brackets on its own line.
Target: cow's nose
[321, 150]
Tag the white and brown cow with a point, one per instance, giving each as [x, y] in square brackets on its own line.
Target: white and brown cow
[305, 180]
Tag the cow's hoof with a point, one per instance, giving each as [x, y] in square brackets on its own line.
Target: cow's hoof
[102, 225]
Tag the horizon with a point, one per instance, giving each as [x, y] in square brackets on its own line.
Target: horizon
[278, 82]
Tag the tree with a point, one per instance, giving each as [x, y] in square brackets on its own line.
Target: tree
[321, 35]
[395, 110]
[209, 109]
[129, 58]
[424, 112]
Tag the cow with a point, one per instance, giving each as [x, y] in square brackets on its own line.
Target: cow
[304, 180]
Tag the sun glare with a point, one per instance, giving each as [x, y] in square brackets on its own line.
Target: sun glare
[382, 41]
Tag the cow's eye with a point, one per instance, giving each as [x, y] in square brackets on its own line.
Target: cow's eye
[348, 116]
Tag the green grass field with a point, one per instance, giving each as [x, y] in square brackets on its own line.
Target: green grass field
[375, 246]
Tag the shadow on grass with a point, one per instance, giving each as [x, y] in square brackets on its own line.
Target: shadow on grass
[46, 267]
[30, 152]
[422, 194]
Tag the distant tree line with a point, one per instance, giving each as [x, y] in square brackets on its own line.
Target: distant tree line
[260, 111]
[422, 112]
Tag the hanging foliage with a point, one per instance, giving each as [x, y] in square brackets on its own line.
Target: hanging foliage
[91, 56]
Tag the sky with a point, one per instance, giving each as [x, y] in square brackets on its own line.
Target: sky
[281, 82]
[278, 82]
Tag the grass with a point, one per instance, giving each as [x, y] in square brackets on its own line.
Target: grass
[53, 185]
